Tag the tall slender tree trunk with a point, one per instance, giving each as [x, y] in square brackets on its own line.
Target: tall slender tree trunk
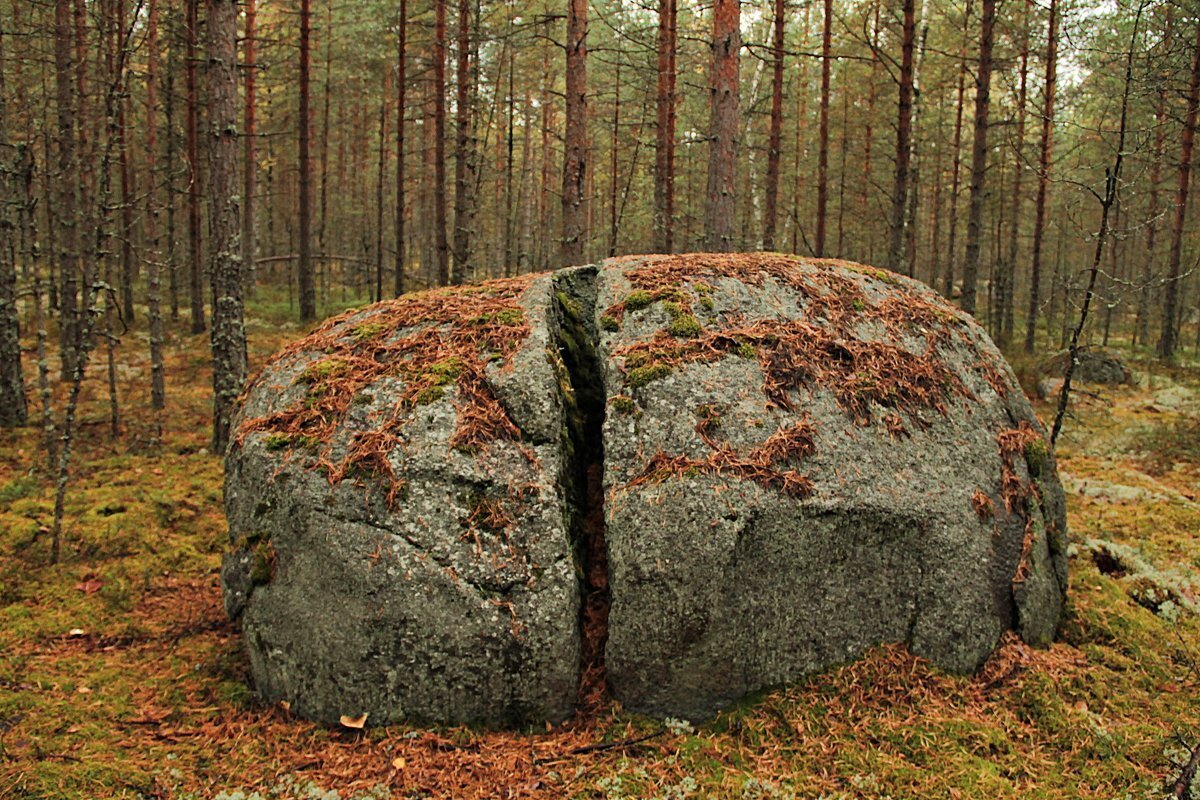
[195, 267]
[801, 142]
[1047, 147]
[903, 133]
[228, 331]
[323, 266]
[614, 154]
[250, 159]
[304, 266]
[441, 246]
[401, 106]
[1169, 339]
[66, 213]
[868, 244]
[464, 178]
[575, 154]
[128, 191]
[13, 410]
[1008, 269]
[952, 245]
[170, 158]
[154, 256]
[1141, 328]
[983, 85]
[775, 136]
[664, 153]
[823, 147]
[380, 178]
[723, 126]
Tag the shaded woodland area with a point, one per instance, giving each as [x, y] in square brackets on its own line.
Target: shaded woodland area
[165, 159]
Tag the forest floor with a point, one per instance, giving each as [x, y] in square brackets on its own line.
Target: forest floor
[120, 675]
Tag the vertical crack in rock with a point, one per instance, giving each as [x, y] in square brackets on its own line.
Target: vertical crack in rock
[582, 390]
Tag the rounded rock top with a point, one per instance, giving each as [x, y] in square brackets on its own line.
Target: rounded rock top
[677, 480]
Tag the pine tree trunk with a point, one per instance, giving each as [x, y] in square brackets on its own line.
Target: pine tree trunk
[1009, 265]
[322, 266]
[128, 191]
[574, 219]
[664, 154]
[304, 266]
[823, 147]
[67, 216]
[1047, 147]
[13, 410]
[380, 176]
[195, 267]
[866, 253]
[154, 256]
[441, 246]
[228, 331]
[250, 159]
[983, 83]
[401, 95]
[1169, 339]
[170, 157]
[614, 151]
[1141, 327]
[464, 178]
[903, 132]
[723, 126]
[952, 245]
[774, 138]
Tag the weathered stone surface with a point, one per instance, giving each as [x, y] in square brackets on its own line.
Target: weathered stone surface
[458, 602]
[800, 459]
[736, 565]
[1094, 366]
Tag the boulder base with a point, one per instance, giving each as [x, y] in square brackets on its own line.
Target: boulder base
[687, 477]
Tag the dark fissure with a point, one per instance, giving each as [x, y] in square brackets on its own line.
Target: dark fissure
[584, 397]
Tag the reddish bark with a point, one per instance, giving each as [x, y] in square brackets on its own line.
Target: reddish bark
[979, 152]
[723, 126]
[774, 138]
[903, 134]
[823, 148]
[664, 156]
[1047, 146]
[441, 245]
[574, 222]
[304, 266]
[1168, 340]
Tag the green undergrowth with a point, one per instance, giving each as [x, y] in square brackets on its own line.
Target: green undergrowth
[119, 676]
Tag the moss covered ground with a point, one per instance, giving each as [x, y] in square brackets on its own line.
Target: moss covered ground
[120, 676]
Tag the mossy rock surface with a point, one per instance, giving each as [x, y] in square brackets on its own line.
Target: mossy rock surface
[790, 478]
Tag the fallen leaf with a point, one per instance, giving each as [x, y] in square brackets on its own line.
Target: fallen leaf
[399, 763]
[354, 722]
[89, 585]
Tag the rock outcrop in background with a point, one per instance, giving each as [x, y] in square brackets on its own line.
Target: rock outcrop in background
[685, 478]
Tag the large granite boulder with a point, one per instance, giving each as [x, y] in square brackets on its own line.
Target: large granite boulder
[686, 477]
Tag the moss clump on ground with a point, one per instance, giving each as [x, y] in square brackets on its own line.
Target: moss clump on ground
[609, 323]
